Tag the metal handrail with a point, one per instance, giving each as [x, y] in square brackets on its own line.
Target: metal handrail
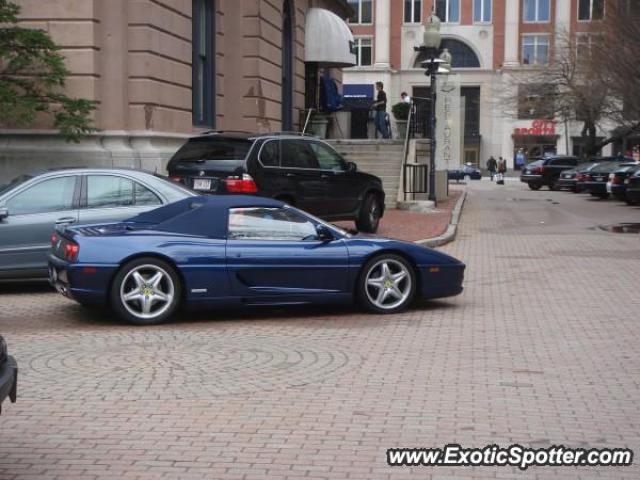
[405, 150]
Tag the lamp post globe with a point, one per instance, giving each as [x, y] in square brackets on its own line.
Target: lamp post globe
[431, 37]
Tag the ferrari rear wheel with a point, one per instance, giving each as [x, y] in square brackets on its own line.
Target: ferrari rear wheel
[146, 291]
[387, 284]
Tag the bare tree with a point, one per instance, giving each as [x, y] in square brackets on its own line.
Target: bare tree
[591, 77]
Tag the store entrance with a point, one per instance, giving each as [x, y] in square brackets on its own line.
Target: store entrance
[532, 146]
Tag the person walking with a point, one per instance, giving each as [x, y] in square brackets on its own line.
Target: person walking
[380, 106]
[491, 166]
[502, 166]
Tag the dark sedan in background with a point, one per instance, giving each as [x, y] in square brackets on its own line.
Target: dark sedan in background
[8, 375]
[632, 195]
[616, 185]
[464, 171]
[568, 179]
[31, 206]
[595, 180]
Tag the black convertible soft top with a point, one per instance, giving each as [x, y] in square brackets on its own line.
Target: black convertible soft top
[204, 216]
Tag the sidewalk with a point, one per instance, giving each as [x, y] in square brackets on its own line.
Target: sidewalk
[413, 226]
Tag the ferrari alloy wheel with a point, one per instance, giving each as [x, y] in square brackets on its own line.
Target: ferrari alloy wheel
[146, 291]
[387, 284]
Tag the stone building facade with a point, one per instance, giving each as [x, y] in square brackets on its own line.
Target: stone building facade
[161, 70]
[490, 40]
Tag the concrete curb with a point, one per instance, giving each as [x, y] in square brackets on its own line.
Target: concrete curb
[452, 229]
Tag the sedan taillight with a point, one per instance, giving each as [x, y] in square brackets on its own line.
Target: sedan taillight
[71, 251]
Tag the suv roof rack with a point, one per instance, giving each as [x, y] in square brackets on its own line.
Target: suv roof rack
[284, 132]
[211, 132]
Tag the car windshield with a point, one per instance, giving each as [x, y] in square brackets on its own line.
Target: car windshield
[333, 227]
[14, 183]
[207, 148]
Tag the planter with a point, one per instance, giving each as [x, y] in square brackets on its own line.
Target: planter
[318, 125]
[402, 129]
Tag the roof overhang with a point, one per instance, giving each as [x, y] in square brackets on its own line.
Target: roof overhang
[328, 40]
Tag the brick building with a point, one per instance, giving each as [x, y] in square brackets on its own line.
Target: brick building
[163, 69]
[488, 39]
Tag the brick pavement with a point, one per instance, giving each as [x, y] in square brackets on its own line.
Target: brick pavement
[541, 349]
[413, 226]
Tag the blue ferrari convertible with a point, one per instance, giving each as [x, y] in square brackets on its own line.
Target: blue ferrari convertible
[240, 250]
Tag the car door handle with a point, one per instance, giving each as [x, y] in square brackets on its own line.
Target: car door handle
[324, 175]
[65, 220]
[290, 175]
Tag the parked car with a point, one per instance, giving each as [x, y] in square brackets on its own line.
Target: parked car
[240, 250]
[546, 171]
[596, 179]
[464, 171]
[32, 205]
[8, 375]
[569, 178]
[616, 185]
[299, 170]
[632, 194]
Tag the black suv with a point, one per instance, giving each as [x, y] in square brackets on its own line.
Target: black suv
[299, 170]
[546, 171]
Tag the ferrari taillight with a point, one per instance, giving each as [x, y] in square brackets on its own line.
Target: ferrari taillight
[71, 251]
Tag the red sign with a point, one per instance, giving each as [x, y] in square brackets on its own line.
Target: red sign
[538, 127]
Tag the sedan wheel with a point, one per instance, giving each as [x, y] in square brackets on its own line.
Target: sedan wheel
[146, 291]
[387, 284]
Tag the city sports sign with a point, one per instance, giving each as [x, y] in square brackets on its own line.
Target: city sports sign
[538, 127]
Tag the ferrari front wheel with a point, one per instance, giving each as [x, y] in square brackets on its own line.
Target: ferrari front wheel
[146, 291]
[387, 284]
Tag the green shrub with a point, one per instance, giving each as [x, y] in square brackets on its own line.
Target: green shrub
[401, 110]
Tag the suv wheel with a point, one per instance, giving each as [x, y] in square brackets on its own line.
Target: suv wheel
[146, 291]
[534, 186]
[369, 216]
[386, 284]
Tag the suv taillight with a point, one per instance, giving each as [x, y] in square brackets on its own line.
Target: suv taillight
[175, 178]
[244, 184]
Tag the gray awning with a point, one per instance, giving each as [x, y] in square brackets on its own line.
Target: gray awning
[328, 40]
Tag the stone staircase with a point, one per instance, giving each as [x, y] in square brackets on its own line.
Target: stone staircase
[382, 158]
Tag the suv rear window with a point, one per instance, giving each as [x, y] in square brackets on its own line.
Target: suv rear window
[212, 149]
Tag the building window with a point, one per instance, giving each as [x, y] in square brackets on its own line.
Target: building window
[463, 55]
[412, 11]
[590, 10]
[535, 102]
[448, 10]
[584, 43]
[364, 50]
[535, 50]
[482, 11]
[363, 11]
[537, 10]
[203, 68]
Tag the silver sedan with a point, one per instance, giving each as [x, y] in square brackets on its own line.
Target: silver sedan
[31, 206]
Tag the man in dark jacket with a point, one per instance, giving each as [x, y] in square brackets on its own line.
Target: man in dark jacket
[380, 106]
[491, 166]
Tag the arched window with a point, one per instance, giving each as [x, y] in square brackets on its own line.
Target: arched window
[463, 55]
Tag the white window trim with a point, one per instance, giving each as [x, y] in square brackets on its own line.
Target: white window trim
[445, 20]
[524, 20]
[536, 44]
[358, 43]
[482, 22]
[413, 11]
[360, 22]
[591, 19]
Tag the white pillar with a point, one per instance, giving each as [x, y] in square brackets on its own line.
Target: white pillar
[563, 17]
[383, 34]
[512, 34]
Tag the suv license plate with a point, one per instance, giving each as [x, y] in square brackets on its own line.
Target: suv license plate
[202, 184]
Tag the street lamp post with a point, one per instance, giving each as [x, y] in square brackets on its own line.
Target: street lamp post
[431, 46]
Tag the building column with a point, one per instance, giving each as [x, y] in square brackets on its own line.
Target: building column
[113, 112]
[512, 34]
[563, 18]
[383, 34]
